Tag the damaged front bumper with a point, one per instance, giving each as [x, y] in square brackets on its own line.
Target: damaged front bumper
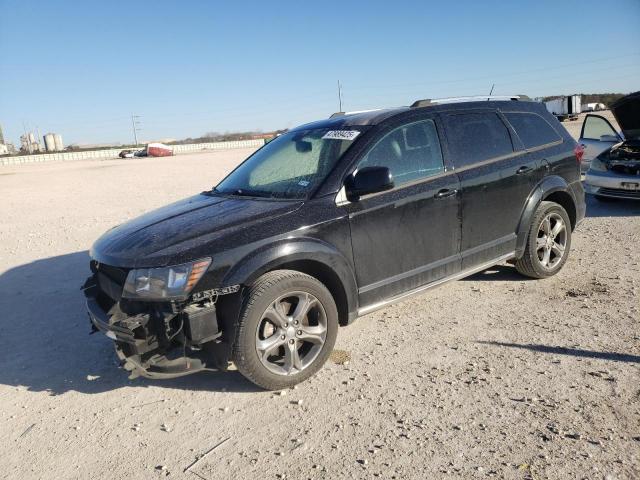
[155, 339]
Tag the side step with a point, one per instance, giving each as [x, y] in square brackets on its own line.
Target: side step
[457, 276]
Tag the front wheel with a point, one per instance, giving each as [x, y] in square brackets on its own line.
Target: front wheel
[287, 329]
[548, 242]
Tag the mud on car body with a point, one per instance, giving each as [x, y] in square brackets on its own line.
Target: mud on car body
[329, 222]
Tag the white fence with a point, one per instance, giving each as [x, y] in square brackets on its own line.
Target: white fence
[113, 152]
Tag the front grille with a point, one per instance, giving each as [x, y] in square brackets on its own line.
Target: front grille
[110, 280]
[619, 192]
[630, 169]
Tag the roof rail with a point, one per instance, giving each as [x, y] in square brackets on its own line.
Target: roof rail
[340, 114]
[477, 98]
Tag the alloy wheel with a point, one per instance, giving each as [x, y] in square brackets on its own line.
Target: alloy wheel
[291, 333]
[551, 240]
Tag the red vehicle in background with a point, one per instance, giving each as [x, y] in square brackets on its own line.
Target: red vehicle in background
[159, 150]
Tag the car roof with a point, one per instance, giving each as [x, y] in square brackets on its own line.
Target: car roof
[371, 117]
[375, 117]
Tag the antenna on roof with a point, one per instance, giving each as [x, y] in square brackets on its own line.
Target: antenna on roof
[339, 96]
[492, 86]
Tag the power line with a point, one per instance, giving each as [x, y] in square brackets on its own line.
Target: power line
[501, 75]
[360, 99]
[539, 80]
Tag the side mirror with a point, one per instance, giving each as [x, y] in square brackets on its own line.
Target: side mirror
[368, 180]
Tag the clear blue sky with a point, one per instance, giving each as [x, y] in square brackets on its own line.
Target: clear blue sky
[188, 67]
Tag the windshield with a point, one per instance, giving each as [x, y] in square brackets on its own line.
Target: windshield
[290, 166]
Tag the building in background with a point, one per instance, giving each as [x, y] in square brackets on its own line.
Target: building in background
[53, 142]
[58, 141]
[4, 149]
[49, 142]
[29, 144]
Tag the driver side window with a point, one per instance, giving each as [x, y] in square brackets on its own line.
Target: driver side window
[411, 152]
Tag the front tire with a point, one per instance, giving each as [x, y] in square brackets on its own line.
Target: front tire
[287, 329]
[548, 242]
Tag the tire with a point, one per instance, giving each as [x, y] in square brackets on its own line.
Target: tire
[539, 242]
[268, 343]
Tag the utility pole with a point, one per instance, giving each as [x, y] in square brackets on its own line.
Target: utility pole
[339, 96]
[134, 124]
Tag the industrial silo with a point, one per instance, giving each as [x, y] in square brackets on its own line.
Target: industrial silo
[58, 141]
[50, 142]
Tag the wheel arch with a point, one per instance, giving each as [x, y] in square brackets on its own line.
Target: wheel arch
[551, 189]
[327, 276]
[312, 257]
[565, 200]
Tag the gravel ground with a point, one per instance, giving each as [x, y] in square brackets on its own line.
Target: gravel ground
[492, 376]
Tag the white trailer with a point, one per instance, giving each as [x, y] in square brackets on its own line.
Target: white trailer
[594, 107]
[565, 108]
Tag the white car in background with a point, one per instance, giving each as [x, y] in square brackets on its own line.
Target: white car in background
[596, 136]
[614, 157]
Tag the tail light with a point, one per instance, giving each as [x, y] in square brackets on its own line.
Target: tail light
[579, 151]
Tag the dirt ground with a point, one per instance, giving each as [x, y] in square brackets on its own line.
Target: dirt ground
[493, 376]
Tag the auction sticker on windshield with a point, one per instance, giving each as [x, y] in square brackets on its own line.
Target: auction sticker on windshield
[341, 134]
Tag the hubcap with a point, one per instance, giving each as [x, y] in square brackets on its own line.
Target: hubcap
[551, 240]
[291, 333]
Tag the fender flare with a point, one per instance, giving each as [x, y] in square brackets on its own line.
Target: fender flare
[288, 253]
[546, 187]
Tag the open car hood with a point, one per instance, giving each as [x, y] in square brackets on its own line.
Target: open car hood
[627, 113]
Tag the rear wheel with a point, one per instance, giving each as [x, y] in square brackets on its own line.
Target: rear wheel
[287, 329]
[548, 242]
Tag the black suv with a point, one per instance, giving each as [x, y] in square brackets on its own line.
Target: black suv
[329, 222]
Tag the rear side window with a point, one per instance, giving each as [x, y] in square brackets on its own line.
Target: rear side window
[532, 129]
[474, 137]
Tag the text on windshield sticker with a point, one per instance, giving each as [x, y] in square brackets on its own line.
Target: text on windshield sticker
[341, 134]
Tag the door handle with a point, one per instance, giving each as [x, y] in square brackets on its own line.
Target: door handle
[445, 192]
[524, 169]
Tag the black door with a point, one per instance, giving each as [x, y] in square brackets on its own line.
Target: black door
[408, 236]
[495, 182]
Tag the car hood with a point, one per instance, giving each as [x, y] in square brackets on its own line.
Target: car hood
[627, 113]
[175, 233]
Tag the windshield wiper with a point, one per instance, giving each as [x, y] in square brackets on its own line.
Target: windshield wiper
[241, 192]
[211, 192]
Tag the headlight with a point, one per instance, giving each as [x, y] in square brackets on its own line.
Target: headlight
[165, 283]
